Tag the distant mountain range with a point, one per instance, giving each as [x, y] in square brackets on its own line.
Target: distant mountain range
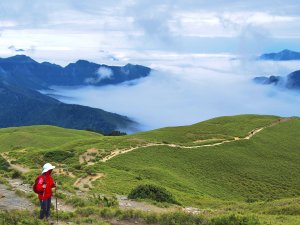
[21, 104]
[281, 56]
[24, 71]
[291, 81]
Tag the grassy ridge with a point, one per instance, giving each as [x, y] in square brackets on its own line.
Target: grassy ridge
[226, 127]
[43, 138]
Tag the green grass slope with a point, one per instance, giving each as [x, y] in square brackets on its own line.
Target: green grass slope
[245, 170]
[213, 130]
[40, 137]
[260, 175]
[266, 167]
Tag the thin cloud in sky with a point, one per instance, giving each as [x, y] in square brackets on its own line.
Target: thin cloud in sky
[124, 26]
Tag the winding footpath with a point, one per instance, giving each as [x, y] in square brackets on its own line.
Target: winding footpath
[16, 167]
[249, 136]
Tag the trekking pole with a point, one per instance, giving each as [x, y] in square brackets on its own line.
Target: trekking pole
[56, 206]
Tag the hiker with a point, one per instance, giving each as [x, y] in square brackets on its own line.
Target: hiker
[43, 186]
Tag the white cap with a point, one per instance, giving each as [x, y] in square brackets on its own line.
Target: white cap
[47, 167]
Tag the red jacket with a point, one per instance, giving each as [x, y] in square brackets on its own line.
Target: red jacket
[46, 192]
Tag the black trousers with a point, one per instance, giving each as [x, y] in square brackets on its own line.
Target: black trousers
[45, 208]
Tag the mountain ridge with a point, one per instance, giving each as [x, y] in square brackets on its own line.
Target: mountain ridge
[283, 55]
[31, 74]
[290, 81]
[21, 104]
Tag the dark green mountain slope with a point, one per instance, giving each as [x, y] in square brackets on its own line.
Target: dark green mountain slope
[20, 107]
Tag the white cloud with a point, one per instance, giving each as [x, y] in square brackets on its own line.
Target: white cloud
[126, 25]
[64, 31]
[101, 74]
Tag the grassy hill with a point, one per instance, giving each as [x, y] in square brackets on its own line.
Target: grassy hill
[213, 130]
[40, 137]
[259, 174]
[262, 168]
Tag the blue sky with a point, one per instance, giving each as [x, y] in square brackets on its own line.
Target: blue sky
[119, 31]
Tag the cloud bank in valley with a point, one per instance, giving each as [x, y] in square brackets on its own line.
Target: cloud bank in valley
[188, 94]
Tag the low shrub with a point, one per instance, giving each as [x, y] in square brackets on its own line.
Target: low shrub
[235, 220]
[180, 218]
[87, 211]
[65, 215]
[103, 201]
[76, 202]
[107, 213]
[293, 210]
[58, 155]
[4, 165]
[149, 191]
[19, 217]
[16, 174]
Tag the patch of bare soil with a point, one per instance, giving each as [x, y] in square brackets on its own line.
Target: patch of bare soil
[126, 222]
[63, 171]
[84, 183]
[212, 139]
[89, 155]
[125, 203]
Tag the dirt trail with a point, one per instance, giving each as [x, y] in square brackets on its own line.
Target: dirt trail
[17, 167]
[18, 184]
[125, 203]
[10, 200]
[122, 151]
[211, 139]
[82, 181]
[250, 135]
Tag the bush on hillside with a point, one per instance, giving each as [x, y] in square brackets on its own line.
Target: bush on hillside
[235, 220]
[115, 133]
[16, 174]
[149, 191]
[112, 133]
[4, 165]
[58, 155]
[19, 217]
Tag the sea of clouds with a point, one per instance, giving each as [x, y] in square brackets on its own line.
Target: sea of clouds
[190, 90]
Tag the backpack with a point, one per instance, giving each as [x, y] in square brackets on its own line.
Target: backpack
[35, 184]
